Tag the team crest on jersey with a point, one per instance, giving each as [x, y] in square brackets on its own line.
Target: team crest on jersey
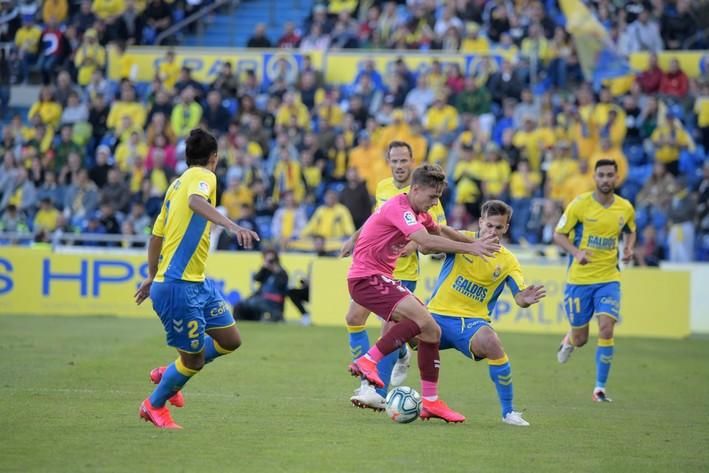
[409, 218]
[194, 344]
[498, 271]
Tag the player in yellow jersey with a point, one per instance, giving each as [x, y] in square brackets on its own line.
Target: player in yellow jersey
[590, 232]
[393, 368]
[465, 296]
[196, 318]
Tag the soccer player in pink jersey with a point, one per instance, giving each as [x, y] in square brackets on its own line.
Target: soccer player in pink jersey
[402, 219]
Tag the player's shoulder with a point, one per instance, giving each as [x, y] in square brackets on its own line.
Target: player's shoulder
[623, 202]
[385, 184]
[581, 200]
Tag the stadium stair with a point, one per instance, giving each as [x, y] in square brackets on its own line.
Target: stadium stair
[234, 29]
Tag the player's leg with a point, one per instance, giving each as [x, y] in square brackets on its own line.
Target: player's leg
[223, 336]
[486, 344]
[607, 304]
[578, 305]
[366, 396]
[411, 311]
[403, 358]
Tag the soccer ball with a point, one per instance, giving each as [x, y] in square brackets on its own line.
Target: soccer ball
[403, 404]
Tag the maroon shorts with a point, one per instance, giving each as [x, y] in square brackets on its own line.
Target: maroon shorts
[379, 294]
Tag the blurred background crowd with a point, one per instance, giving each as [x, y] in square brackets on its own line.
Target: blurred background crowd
[300, 158]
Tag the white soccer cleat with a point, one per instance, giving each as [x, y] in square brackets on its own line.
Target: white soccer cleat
[366, 397]
[515, 418]
[565, 350]
[401, 369]
[599, 395]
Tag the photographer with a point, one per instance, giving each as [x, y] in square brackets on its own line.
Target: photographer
[266, 304]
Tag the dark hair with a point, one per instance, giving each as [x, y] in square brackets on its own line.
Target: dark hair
[400, 144]
[493, 208]
[271, 251]
[605, 162]
[200, 147]
[429, 175]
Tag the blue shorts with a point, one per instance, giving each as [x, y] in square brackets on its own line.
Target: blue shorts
[583, 301]
[410, 285]
[188, 309]
[456, 332]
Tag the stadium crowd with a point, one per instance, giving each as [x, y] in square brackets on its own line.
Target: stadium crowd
[301, 157]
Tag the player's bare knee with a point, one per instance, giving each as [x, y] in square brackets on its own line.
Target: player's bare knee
[430, 332]
[580, 339]
[356, 317]
[193, 361]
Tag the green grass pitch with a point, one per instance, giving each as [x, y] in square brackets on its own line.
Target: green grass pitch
[70, 390]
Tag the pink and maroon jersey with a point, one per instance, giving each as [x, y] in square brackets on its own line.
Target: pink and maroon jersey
[384, 235]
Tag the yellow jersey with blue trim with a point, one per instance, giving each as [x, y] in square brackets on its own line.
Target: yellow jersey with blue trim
[469, 286]
[407, 267]
[593, 227]
[185, 234]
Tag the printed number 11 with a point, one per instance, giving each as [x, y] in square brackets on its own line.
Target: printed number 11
[574, 301]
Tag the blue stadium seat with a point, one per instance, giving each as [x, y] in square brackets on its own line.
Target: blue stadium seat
[264, 227]
[635, 154]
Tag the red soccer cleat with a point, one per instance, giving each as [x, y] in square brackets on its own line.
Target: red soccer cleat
[366, 368]
[440, 410]
[177, 400]
[159, 416]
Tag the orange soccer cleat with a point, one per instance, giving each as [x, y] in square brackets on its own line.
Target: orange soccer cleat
[366, 368]
[159, 416]
[177, 400]
[440, 410]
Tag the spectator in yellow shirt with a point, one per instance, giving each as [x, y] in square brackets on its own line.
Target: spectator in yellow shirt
[536, 45]
[474, 42]
[332, 220]
[27, 42]
[46, 217]
[607, 151]
[292, 107]
[442, 120]
[562, 166]
[89, 56]
[169, 70]
[578, 183]
[397, 130]
[368, 160]
[288, 177]
[46, 108]
[55, 10]
[108, 9]
[528, 140]
[494, 173]
[132, 150]
[669, 139]
[701, 108]
[467, 180]
[524, 183]
[235, 196]
[186, 115]
[127, 106]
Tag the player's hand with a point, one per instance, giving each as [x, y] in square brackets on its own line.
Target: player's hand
[485, 246]
[409, 249]
[347, 248]
[628, 254]
[244, 237]
[143, 291]
[583, 257]
[532, 295]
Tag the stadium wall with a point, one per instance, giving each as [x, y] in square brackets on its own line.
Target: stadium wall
[339, 67]
[656, 303]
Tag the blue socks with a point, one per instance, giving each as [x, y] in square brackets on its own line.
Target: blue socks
[213, 350]
[501, 375]
[175, 376]
[359, 340]
[604, 357]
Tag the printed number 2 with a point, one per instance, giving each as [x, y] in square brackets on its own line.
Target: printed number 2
[193, 325]
[574, 301]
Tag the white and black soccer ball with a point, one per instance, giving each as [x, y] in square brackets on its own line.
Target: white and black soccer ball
[403, 404]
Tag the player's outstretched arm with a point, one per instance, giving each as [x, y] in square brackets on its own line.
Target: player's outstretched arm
[428, 243]
[530, 296]
[562, 240]
[453, 234]
[200, 206]
[154, 249]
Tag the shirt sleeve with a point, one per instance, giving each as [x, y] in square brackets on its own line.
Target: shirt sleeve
[569, 219]
[515, 279]
[203, 185]
[404, 219]
[630, 220]
[429, 223]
